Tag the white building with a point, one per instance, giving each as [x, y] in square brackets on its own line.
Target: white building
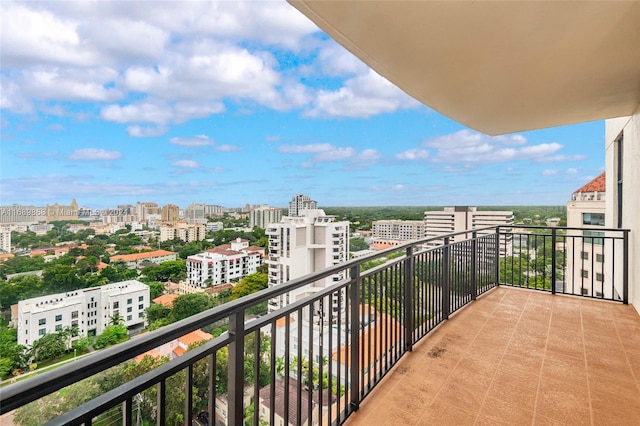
[183, 231]
[214, 226]
[146, 208]
[392, 232]
[264, 215]
[223, 264]
[304, 244]
[299, 203]
[17, 213]
[195, 213]
[586, 272]
[89, 310]
[5, 241]
[461, 218]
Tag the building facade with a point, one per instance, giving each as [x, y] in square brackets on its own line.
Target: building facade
[301, 202]
[263, 216]
[300, 245]
[5, 241]
[88, 311]
[143, 209]
[194, 214]
[17, 213]
[387, 233]
[223, 264]
[585, 252]
[183, 231]
[461, 218]
[170, 214]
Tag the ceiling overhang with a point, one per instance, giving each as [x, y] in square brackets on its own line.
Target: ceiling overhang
[497, 67]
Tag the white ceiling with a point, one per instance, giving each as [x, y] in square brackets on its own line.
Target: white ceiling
[497, 67]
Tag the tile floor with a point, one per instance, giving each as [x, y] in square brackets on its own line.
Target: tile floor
[517, 357]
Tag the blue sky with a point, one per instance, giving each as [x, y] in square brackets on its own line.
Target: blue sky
[232, 103]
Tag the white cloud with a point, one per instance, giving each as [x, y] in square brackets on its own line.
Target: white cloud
[413, 154]
[471, 147]
[193, 142]
[94, 154]
[549, 172]
[324, 152]
[572, 171]
[186, 164]
[362, 96]
[227, 148]
[37, 154]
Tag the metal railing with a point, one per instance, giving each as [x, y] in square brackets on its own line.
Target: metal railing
[316, 359]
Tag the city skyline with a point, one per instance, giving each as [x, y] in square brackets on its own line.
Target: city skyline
[233, 103]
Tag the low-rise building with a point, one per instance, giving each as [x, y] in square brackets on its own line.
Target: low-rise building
[87, 310]
[134, 260]
[183, 231]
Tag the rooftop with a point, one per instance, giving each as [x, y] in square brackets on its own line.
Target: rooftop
[599, 184]
[517, 357]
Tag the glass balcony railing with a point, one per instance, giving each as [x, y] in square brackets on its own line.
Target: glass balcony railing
[321, 355]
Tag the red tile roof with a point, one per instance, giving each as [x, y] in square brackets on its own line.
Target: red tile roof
[166, 300]
[138, 256]
[596, 185]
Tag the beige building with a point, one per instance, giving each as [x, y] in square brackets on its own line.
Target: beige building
[301, 202]
[388, 233]
[264, 215]
[586, 273]
[170, 214]
[60, 212]
[183, 231]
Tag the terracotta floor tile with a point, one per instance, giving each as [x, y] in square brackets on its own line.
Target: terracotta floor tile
[496, 411]
[444, 414]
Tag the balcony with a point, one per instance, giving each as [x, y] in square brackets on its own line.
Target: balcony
[426, 338]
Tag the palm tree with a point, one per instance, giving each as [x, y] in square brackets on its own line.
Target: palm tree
[116, 319]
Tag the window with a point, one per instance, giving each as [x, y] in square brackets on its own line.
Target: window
[129, 317]
[599, 277]
[42, 331]
[140, 298]
[141, 315]
[596, 241]
[600, 258]
[584, 255]
[141, 307]
[116, 305]
[599, 294]
[42, 321]
[585, 292]
[58, 318]
[58, 327]
[593, 219]
[129, 309]
[129, 301]
[584, 273]
[74, 314]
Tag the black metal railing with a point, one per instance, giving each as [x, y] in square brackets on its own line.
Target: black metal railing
[316, 359]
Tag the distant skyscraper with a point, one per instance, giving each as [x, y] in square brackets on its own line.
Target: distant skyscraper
[299, 203]
[195, 213]
[5, 241]
[301, 245]
[263, 216]
[60, 212]
[146, 208]
[461, 218]
[170, 214]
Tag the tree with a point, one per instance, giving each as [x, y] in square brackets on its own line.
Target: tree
[250, 284]
[49, 346]
[187, 305]
[357, 244]
[173, 270]
[157, 312]
[111, 335]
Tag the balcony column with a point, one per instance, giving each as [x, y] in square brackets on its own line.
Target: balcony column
[474, 265]
[446, 278]
[496, 266]
[554, 236]
[409, 305]
[236, 368]
[354, 361]
[625, 267]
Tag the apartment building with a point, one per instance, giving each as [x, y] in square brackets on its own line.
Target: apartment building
[170, 214]
[460, 218]
[5, 241]
[223, 264]
[144, 209]
[17, 213]
[300, 245]
[134, 260]
[388, 233]
[89, 310]
[195, 214]
[301, 202]
[183, 231]
[585, 254]
[264, 215]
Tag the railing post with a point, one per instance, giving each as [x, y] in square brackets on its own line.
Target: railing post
[409, 306]
[446, 278]
[236, 368]
[474, 265]
[354, 373]
[553, 259]
[625, 267]
[496, 268]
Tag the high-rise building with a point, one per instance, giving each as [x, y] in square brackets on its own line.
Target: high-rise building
[5, 241]
[263, 216]
[299, 203]
[223, 264]
[300, 245]
[144, 209]
[88, 310]
[170, 214]
[194, 213]
[17, 213]
[60, 212]
[585, 254]
[461, 218]
[213, 210]
[394, 232]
